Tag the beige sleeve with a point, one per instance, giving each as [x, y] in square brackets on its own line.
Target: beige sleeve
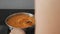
[47, 13]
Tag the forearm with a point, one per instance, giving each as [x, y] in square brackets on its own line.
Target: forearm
[47, 16]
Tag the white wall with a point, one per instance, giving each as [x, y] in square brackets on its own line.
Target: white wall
[16, 4]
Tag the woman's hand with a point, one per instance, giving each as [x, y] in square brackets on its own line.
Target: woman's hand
[17, 31]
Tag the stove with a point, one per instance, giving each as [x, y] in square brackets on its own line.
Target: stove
[6, 12]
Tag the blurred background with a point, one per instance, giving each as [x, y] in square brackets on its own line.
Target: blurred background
[16, 4]
[8, 7]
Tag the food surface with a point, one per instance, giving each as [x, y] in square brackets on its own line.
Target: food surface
[21, 21]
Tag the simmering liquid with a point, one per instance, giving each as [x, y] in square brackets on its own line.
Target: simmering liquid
[21, 21]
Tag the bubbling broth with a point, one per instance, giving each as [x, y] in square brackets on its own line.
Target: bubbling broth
[21, 21]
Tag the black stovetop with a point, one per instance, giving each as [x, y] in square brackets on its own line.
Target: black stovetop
[6, 12]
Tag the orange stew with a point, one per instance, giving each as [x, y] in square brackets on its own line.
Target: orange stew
[21, 21]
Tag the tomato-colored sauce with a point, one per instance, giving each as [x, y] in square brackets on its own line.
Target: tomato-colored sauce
[21, 21]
